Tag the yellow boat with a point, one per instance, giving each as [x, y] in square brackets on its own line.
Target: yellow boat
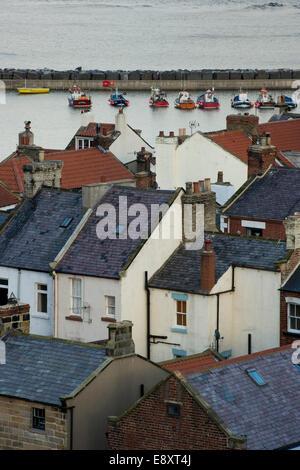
[31, 91]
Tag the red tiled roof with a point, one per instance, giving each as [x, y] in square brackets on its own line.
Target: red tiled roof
[7, 198]
[285, 135]
[80, 167]
[91, 129]
[236, 142]
[193, 364]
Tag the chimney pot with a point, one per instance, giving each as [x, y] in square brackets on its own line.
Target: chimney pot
[189, 188]
[171, 134]
[184, 131]
[207, 184]
[142, 149]
[201, 183]
[220, 176]
[161, 134]
[196, 187]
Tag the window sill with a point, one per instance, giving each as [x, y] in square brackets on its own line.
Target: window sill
[179, 330]
[291, 333]
[42, 315]
[109, 319]
[74, 318]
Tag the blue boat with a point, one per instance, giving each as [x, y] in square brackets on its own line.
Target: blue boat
[286, 101]
[241, 101]
[117, 99]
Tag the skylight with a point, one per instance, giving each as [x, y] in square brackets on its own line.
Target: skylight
[66, 222]
[256, 377]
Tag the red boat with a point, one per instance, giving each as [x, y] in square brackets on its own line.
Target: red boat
[158, 98]
[208, 100]
[78, 99]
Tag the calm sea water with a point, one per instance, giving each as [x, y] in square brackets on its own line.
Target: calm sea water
[137, 34]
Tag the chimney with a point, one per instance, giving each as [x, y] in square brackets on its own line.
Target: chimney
[292, 231]
[120, 121]
[261, 155]
[120, 340]
[207, 266]
[26, 137]
[245, 122]
[206, 197]
[14, 316]
[161, 134]
[220, 176]
[38, 174]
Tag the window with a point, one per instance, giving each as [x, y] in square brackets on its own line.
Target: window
[41, 298]
[3, 291]
[181, 312]
[110, 306]
[76, 297]
[294, 317]
[256, 377]
[38, 418]
[66, 222]
[173, 410]
[254, 232]
[86, 143]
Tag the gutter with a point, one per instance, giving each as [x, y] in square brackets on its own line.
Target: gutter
[148, 315]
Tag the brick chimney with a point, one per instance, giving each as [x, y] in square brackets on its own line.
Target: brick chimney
[14, 316]
[42, 173]
[245, 122]
[200, 192]
[261, 155]
[120, 340]
[26, 137]
[207, 266]
[292, 230]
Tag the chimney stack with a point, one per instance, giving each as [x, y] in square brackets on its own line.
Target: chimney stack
[43, 173]
[245, 122]
[120, 340]
[14, 316]
[207, 266]
[220, 176]
[26, 137]
[261, 155]
[206, 197]
[292, 231]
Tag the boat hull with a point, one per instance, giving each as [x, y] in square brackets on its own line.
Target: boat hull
[158, 104]
[188, 105]
[265, 105]
[86, 104]
[33, 91]
[241, 105]
[201, 105]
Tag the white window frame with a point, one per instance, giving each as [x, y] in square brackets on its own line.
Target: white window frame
[291, 301]
[40, 291]
[184, 327]
[109, 306]
[72, 280]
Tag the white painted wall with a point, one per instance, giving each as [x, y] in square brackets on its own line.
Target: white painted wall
[94, 290]
[253, 307]
[196, 158]
[129, 142]
[23, 284]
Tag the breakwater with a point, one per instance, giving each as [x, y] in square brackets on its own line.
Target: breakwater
[145, 79]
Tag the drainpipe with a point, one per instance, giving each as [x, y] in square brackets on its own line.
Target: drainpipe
[19, 285]
[54, 307]
[148, 314]
[217, 331]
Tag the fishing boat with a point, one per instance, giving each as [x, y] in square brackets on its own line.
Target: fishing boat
[241, 100]
[78, 99]
[118, 99]
[208, 100]
[184, 101]
[158, 98]
[264, 100]
[284, 101]
[32, 91]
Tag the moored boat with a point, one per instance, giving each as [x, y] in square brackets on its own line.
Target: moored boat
[78, 99]
[184, 101]
[158, 98]
[241, 100]
[264, 100]
[284, 101]
[32, 91]
[118, 99]
[208, 100]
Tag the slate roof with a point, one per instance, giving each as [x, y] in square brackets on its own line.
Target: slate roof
[33, 238]
[80, 167]
[88, 255]
[182, 272]
[292, 157]
[293, 283]
[271, 197]
[45, 369]
[236, 142]
[270, 414]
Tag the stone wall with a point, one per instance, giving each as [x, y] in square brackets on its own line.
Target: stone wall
[14, 317]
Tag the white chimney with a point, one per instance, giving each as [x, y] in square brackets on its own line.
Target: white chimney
[2, 352]
[120, 121]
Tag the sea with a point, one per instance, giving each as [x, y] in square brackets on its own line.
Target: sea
[137, 34]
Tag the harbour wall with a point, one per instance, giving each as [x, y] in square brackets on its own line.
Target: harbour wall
[143, 80]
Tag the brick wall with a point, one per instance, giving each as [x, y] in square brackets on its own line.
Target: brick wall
[274, 229]
[288, 267]
[14, 317]
[285, 337]
[149, 427]
[16, 431]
